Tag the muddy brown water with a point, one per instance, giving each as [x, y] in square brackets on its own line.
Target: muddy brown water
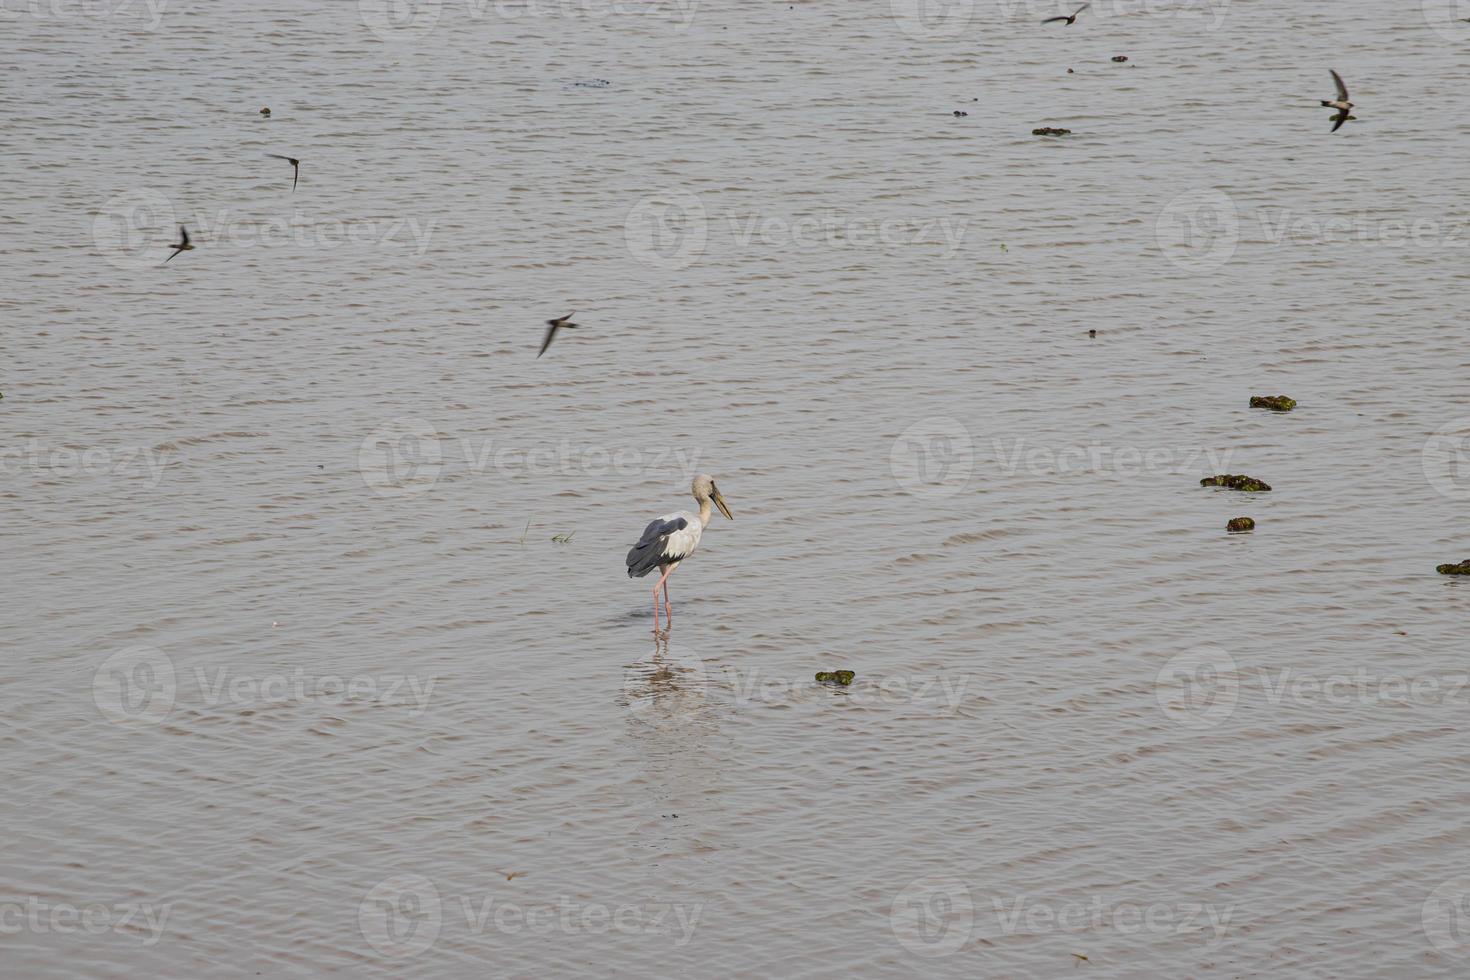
[297, 682]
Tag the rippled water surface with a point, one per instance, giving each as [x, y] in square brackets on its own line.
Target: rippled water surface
[297, 682]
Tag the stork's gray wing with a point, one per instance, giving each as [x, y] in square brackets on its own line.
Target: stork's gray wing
[648, 553]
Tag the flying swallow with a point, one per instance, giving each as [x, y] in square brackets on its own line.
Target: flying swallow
[182, 246]
[295, 168]
[1341, 104]
[552, 326]
[1070, 20]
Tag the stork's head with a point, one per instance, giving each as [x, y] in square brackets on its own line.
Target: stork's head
[704, 489]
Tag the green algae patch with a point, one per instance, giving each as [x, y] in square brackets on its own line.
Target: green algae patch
[1276, 403]
[1237, 525]
[841, 678]
[1463, 568]
[1236, 481]
[1051, 131]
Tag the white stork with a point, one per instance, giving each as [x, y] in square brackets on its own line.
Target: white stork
[669, 539]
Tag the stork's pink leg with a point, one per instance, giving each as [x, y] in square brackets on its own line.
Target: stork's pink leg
[668, 610]
[661, 585]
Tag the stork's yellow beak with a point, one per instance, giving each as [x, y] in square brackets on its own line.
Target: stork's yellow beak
[720, 503]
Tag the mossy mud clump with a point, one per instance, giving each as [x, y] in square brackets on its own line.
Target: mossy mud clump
[1051, 131]
[1463, 568]
[1239, 524]
[841, 678]
[1276, 403]
[1236, 481]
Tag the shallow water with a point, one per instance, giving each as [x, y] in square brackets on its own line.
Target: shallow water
[318, 452]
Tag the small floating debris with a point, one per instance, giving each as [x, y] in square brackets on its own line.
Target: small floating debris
[562, 538]
[1238, 525]
[841, 678]
[1092, 334]
[1463, 568]
[959, 113]
[266, 111]
[1236, 481]
[1051, 131]
[1276, 403]
[1120, 58]
[592, 83]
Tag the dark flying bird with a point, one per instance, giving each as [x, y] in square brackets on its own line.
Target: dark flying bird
[182, 246]
[1070, 20]
[552, 326]
[670, 539]
[1341, 104]
[295, 168]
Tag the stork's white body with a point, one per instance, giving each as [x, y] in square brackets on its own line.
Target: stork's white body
[681, 544]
